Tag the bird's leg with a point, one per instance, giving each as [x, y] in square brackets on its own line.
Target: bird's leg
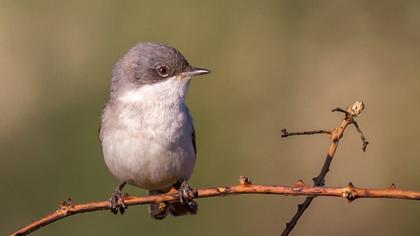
[186, 195]
[117, 200]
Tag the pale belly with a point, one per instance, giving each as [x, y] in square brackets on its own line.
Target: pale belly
[148, 159]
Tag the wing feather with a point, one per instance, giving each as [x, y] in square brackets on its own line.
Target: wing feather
[194, 142]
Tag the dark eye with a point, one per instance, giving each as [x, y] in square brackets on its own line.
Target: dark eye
[163, 70]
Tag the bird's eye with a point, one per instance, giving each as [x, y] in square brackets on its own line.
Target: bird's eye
[163, 70]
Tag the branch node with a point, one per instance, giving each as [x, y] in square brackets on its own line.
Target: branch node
[349, 192]
[245, 181]
[284, 133]
[300, 206]
[319, 181]
[222, 190]
[335, 134]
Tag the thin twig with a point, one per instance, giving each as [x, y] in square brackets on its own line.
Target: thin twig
[286, 133]
[336, 135]
[362, 137]
[349, 192]
[337, 109]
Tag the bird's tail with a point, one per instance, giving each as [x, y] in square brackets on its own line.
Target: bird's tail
[160, 210]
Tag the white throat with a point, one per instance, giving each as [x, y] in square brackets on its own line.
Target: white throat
[171, 90]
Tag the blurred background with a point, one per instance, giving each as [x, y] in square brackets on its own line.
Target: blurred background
[275, 64]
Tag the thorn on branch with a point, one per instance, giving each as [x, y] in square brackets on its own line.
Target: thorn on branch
[392, 186]
[299, 183]
[245, 181]
[64, 206]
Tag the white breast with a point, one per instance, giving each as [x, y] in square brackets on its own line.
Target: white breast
[147, 135]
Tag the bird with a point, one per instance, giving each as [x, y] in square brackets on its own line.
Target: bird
[146, 131]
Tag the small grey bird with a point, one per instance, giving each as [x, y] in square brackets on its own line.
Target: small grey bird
[147, 132]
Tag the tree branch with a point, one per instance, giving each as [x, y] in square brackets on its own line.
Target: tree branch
[68, 208]
[336, 134]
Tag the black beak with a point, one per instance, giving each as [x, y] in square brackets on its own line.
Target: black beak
[195, 72]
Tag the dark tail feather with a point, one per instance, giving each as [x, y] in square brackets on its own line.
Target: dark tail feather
[158, 211]
[179, 209]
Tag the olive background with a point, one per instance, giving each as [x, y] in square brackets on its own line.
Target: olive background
[275, 64]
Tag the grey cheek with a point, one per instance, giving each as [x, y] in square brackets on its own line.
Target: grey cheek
[143, 77]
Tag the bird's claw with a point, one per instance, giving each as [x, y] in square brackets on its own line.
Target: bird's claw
[186, 196]
[117, 202]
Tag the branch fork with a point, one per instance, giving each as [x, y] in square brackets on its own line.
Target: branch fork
[335, 134]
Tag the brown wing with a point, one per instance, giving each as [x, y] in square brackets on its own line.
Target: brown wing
[194, 143]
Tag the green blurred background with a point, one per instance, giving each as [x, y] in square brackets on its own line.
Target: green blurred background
[275, 64]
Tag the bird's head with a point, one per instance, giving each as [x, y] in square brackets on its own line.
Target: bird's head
[154, 66]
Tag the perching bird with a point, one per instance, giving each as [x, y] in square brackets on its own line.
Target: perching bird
[147, 132]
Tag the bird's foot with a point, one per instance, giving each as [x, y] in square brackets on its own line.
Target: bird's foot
[117, 200]
[186, 195]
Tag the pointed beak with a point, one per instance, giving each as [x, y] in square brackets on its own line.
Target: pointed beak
[194, 72]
